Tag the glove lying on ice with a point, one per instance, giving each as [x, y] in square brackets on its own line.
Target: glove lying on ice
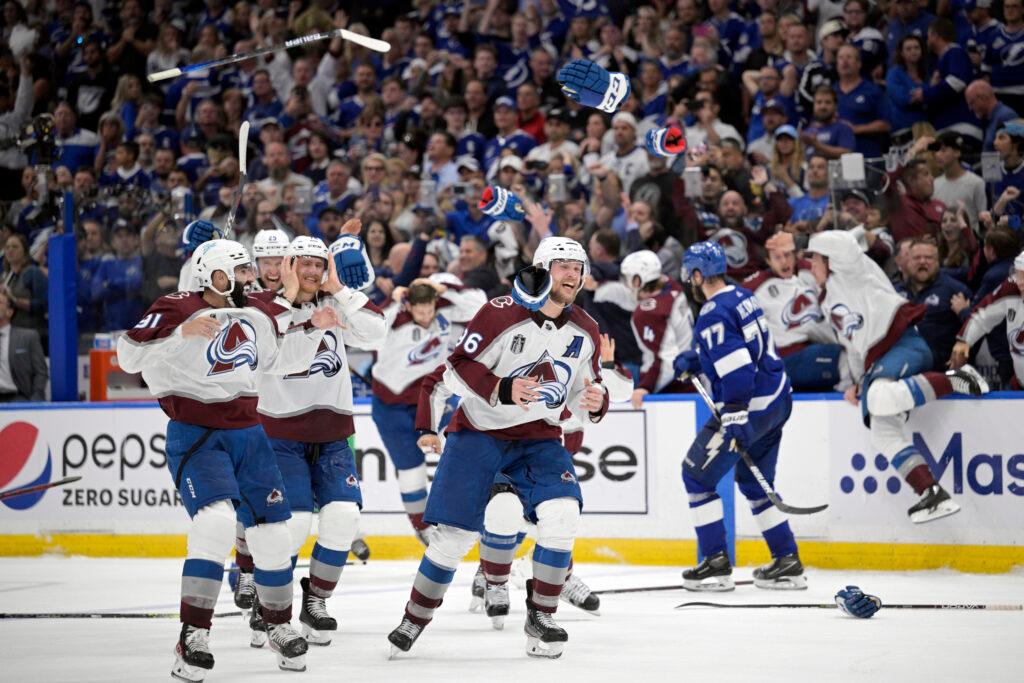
[594, 86]
[531, 287]
[352, 262]
[665, 142]
[856, 603]
[686, 363]
[501, 204]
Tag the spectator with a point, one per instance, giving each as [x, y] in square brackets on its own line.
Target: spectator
[467, 143]
[23, 370]
[279, 173]
[905, 83]
[958, 186]
[168, 52]
[665, 192]
[1002, 56]
[128, 173]
[862, 104]
[439, 164]
[117, 285]
[627, 160]
[764, 86]
[944, 94]
[92, 90]
[787, 162]
[531, 118]
[708, 127]
[981, 99]
[76, 147]
[1010, 145]
[956, 244]
[916, 212]
[812, 205]
[947, 301]
[1001, 246]
[827, 135]
[508, 136]
[25, 284]
[475, 268]
[161, 264]
[773, 118]
[908, 19]
[12, 116]
[556, 133]
[467, 218]
[865, 38]
[92, 251]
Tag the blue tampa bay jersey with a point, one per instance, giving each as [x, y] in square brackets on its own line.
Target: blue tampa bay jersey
[737, 352]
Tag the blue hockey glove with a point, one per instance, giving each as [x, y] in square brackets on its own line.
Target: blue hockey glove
[856, 603]
[501, 204]
[531, 287]
[594, 86]
[198, 232]
[736, 427]
[353, 264]
[665, 142]
[686, 363]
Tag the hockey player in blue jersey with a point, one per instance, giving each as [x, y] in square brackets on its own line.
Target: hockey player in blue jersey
[735, 351]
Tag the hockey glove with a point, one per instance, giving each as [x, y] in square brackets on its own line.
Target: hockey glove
[594, 86]
[854, 602]
[198, 232]
[531, 287]
[736, 427]
[501, 204]
[353, 264]
[686, 363]
[665, 142]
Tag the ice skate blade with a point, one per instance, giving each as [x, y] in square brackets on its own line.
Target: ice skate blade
[315, 637]
[786, 583]
[498, 622]
[394, 652]
[943, 509]
[476, 604]
[291, 663]
[187, 672]
[257, 639]
[716, 584]
[535, 647]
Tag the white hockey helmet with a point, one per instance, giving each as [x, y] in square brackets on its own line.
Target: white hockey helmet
[270, 243]
[308, 246]
[643, 265]
[446, 279]
[561, 249]
[222, 255]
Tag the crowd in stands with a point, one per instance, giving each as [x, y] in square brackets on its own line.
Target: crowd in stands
[768, 93]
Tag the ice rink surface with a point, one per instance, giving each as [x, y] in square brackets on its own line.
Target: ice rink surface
[638, 637]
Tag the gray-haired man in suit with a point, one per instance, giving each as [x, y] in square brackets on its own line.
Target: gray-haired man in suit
[23, 371]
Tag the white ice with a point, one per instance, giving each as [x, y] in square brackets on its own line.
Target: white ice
[638, 637]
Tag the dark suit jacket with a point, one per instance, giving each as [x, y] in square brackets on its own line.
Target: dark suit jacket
[28, 365]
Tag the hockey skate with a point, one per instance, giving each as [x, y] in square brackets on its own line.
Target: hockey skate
[479, 587]
[784, 573]
[578, 594]
[713, 574]
[245, 591]
[544, 637]
[967, 380]
[192, 656]
[257, 628]
[360, 550]
[288, 645]
[403, 637]
[496, 604]
[935, 504]
[317, 625]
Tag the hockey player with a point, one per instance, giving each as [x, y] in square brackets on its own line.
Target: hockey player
[735, 351]
[200, 353]
[789, 297]
[268, 250]
[418, 324]
[1004, 304]
[888, 360]
[521, 362]
[662, 323]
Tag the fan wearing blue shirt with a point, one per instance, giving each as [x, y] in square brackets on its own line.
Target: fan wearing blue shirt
[826, 135]
[862, 104]
[944, 96]
[909, 20]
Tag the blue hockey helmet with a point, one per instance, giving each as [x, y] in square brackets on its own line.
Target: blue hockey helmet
[707, 257]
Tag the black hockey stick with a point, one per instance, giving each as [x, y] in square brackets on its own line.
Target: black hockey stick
[651, 589]
[832, 605]
[374, 44]
[101, 615]
[12, 493]
[355, 373]
[768, 490]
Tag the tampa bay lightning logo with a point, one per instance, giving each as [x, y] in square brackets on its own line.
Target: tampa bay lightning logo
[845, 321]
[326, 361]
[554, 377]
[735, 245]
[233, 347]
[803, 308]
[1017, 341]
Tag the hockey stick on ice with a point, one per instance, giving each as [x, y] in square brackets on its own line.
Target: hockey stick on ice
[768, 490]
[374, 44]
[832, 605]
[243, 152]
[651, 589]
[101, 615]
[12, 493]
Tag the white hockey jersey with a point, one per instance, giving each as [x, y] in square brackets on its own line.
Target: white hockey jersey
[619, 383]
[505, 340]
[791, 307]
[865, 311]
[212, 383]
[1005, 303]
[314, 404]
[412, 352]
[663, 326]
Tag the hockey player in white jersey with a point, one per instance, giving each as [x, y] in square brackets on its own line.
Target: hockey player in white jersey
[419, 323]
[789, 297]
[888, 359]
[662, 323]
[1005, 304]
[269, 248]
[201, 353]
[522, 361]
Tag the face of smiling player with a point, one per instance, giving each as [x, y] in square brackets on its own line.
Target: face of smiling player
[566, 277]
[310, 270]
[270, 271]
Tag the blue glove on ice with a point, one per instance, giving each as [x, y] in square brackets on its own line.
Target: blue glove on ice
[665, 142]
[531, 287]
[594, 86]
[856, 603]
[736, 427]
[197, 232]
[501, 204]
[686, 363]
[353, 264]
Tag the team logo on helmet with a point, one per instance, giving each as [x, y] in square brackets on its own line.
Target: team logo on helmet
[845, 321]
[554, 377]
[803, 308]
[274, 497]
[735, 246]
[428, 350]
[233, 347]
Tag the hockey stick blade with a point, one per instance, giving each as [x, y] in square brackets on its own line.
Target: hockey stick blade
[375, 44]
[651, 589]
[12, 493]
[101, 615]
[832, 605]
[243, 150]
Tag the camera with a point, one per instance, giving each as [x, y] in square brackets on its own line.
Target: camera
[460, 190]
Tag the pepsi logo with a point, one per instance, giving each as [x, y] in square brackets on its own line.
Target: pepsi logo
[20, 461]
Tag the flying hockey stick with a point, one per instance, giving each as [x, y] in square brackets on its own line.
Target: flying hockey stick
[768, 490]
[101, 615]
[651, 589]
[12, 493]
[832, 605]
[374, 44]
[243, 152]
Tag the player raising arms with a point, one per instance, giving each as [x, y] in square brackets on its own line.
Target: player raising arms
[735, 351]
[522, 361]
[201, 353]
[888, 360]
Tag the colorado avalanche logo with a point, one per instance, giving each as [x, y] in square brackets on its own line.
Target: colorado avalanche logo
[1017, 341]
[326, 359]
[735, 246]
[274, 497]
[428, 350]
[351, 481]
[568, 477]
[803, 308]
[845, 321]
[554, 377]
[233, 347]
